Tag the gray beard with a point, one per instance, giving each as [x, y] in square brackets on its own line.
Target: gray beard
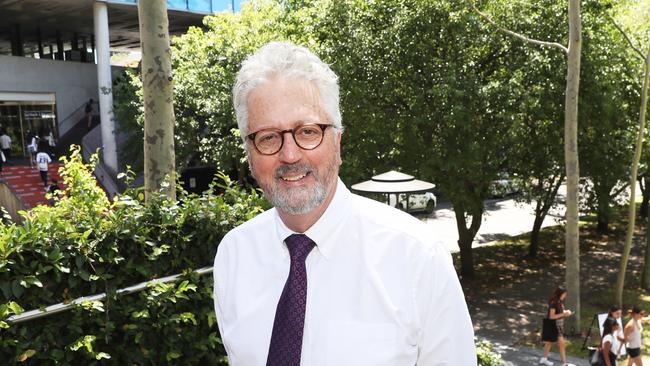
[288, 202]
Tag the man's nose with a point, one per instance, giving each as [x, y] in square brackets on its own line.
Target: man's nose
[290, 151]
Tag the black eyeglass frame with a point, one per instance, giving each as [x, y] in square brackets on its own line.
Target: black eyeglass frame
[323, 127]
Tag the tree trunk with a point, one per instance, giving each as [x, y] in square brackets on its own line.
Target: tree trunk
[465, 238]
[159, 157]
[534, 234]
[572, 248]
[603, 213]
[643, 212]
[631, 213]
[645, 275]
[541, 210]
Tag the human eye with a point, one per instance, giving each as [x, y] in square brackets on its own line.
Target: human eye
[309, 131]
[267, 137]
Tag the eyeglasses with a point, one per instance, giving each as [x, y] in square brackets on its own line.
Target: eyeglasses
[269, 141]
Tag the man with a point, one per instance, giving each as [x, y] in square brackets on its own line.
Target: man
[5, 144]
[42, 161]
[326, 277]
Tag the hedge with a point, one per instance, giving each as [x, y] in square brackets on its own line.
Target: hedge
[85, 244]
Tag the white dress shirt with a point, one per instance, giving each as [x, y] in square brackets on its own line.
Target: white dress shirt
[380, 290]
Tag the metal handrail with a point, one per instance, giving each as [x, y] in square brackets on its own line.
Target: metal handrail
[60, 307]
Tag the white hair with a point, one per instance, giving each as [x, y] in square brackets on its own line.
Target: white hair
[288, 60]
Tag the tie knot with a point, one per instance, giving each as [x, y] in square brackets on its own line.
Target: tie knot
[299, 246]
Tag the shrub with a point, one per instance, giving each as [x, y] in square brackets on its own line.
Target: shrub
[85, 245]
[486, 354]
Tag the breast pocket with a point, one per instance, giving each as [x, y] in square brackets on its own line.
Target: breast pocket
[359, 344]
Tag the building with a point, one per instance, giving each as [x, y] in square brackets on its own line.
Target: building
[55, 56]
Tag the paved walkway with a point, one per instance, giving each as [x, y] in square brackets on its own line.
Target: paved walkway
[525, 356]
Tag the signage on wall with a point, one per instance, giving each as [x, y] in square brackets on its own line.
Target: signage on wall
[39, 115]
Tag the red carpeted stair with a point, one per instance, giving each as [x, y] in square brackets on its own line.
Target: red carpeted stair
[25, 182]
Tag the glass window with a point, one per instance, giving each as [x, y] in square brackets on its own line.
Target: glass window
[221, 5]
[177, 4]
[203, 6]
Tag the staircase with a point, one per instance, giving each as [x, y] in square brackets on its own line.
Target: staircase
[74, 135]
[25, 183]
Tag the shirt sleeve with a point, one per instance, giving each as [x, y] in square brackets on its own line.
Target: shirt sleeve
[220, 276]
[446, 331]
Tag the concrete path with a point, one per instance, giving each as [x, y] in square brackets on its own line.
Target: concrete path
[503, 218]
[525, 356]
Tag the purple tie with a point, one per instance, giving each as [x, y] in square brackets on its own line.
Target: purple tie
[289, 324]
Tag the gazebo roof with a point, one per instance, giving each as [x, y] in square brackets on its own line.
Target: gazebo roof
[393, 182]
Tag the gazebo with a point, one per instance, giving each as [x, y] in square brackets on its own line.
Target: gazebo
[397, 184]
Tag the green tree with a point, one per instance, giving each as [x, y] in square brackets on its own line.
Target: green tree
[606, 122]
[536, 157]
[639, 11]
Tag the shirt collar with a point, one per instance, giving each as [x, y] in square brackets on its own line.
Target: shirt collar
[320, 231]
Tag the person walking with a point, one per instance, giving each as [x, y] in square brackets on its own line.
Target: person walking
[5, 144]
[619, 338]
[2, 161]
[89, 112]
[556, 313]
[607, 351]
[32, 148]
[43, 160]
[632, 333]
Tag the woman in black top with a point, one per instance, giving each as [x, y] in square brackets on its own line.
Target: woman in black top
[557, 312]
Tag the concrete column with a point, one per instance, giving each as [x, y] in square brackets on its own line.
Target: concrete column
[40, 43]
[104, 82]
[59, 46]
[17, 41]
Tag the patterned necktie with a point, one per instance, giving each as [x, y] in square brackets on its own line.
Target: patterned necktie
[289, 324]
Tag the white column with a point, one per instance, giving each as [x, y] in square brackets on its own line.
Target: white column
[104, 83]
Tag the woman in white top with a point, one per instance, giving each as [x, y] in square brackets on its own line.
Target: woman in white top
[619, 339]
[633, 330]
[608, 354]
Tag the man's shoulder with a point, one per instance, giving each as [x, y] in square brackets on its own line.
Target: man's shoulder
[382, 217]
[264, 222]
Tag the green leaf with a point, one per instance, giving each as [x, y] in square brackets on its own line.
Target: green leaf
[173, 355]
[102, 355]
[15, 308]
[17, 289]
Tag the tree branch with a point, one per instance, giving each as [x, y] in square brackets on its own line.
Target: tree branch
[638, 51]
[518, 35]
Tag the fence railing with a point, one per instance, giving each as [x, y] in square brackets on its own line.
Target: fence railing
[61, 307]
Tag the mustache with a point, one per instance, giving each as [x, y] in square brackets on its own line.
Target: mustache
[299, 168]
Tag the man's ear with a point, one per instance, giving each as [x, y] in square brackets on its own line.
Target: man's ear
[337, 143]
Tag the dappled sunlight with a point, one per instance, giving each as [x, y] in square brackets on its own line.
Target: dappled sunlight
[508, 297]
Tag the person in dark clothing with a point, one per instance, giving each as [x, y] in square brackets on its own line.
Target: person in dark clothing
[89, 112]
[53, 190]
[557, 312]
